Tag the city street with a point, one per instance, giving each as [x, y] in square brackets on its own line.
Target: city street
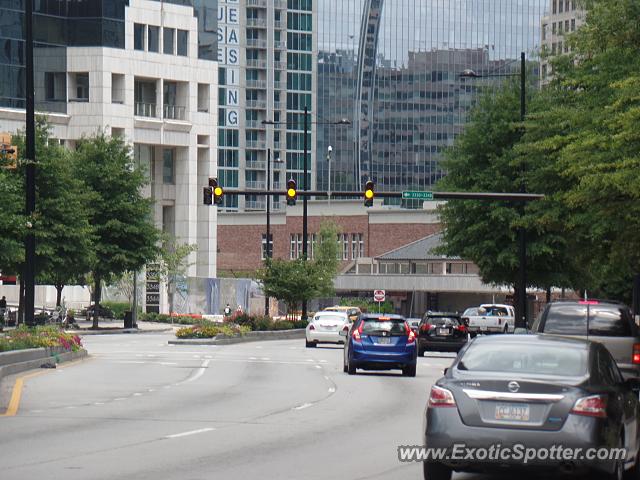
[142, 409]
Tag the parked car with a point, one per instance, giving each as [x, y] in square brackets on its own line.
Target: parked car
[469, 312]
[440, 331]
[380, 342]
[414, 324]
[325, 327]
[609, 323]
[492, 318]
[536, 391]
[352, 312]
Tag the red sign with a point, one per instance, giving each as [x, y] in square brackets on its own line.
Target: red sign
[378, 295]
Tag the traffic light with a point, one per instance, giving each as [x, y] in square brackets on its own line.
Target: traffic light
[207, 195]
[369, 193]
[218, 193]
[292, 193]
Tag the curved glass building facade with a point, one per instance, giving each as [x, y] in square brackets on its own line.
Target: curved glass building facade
[393, 68]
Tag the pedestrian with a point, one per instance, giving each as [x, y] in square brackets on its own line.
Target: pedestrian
[239, 309]
[227, 311]
[3, 309]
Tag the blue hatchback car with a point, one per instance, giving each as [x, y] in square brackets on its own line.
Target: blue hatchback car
[380, 342]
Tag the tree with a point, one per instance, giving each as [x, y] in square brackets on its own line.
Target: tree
[173, 264]
[125, 236]
[484, 159]
[326, 257]
[291, 281]
[12, 222]
[586, 143]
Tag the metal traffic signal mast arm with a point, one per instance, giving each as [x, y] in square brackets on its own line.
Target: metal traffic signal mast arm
[489, 196]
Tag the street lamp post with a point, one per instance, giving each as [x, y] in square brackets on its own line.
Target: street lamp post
[521, 281]
[269, 252]
[305, 183]
[329, 150]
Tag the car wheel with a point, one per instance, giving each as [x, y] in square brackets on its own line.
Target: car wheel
[634, 472]
[618, 471]
[344, 368]
[506, 328]
[351, 369]
[435, 471]
[420, 352]
[409, 371]
[310, 344]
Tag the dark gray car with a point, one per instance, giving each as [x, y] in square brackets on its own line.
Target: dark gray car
[606, 322]
[535, 391]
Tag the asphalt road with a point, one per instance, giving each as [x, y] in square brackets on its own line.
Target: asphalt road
[142, 409]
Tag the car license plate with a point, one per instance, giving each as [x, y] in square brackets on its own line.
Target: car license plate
[383, 341]
[518, 413]
[443, 331]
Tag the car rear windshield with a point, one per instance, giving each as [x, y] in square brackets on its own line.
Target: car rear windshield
[374, 326]
[495, 312]
[329, 318]
[604, 320]
[470, 312]
[437, 321]
[526, 359]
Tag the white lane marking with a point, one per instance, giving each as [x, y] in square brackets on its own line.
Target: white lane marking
[151, 356]
[137, 394]
[318, 366]
[323, 361]
[253, 358]
[119, 399]
[37, 411]
[326, 378]
[151, 390]
[266, 359]
[208, 356]
[167, 363]
[192, 432]
[303, 406]
[137, 355]
[99, 403]
[332, 390]
[196, 356]
[309, 360]
[69, 407]
[198, 373]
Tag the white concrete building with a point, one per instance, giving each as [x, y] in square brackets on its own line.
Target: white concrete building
[155, 89]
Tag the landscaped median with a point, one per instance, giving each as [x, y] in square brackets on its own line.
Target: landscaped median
[237, 329]
[26, 348]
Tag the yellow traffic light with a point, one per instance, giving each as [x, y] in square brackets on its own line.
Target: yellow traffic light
[292, 193]
[369, 193]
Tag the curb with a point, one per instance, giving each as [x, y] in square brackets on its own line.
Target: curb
[118, 331]
[248, 337]
[45, 357]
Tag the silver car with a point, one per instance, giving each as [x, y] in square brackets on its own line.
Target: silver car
[325, 327]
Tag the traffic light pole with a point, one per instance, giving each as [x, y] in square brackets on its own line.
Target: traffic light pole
[30, 174]
[305, 187]
[268, 199]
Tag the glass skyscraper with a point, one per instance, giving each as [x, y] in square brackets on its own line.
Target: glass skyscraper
[393, 68]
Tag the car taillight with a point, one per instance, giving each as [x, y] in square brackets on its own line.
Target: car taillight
[425, 327]
[462, 328]
[356, 333]
[345, 328]
[636, 354]
[312, 327]
[593, 406]
[441, 397]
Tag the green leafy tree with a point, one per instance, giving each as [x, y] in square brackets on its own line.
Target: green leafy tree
[291, 281]
[12, 221]
[173, 264]
[484, 159]
[326, 257]
[125, 236]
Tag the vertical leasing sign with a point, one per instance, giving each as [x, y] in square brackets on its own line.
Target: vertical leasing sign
[229, 58]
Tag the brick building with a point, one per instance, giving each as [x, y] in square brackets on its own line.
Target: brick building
[365, 232]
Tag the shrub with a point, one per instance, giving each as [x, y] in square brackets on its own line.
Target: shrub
[208, 329]
[283, 325]
[117, 308]
[38, 337]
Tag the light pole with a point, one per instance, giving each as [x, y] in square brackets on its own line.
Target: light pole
[305, 183]
[521, 281]
[269, 252]
[329, 150]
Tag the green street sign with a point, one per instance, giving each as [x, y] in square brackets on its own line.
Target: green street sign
[417, 195]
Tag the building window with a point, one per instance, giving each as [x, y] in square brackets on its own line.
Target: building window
[555, 6]
[264, 245]
[573, 24]
[344, 239]
[295, 246]
[138, 36]
[168, 40]
[182, 43]
[153, 34]
[55, 86]
[168, 166]
[82, 86]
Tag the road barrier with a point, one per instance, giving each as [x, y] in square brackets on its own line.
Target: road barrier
[17, 361]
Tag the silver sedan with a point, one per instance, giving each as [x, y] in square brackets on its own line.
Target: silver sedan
[325, 327]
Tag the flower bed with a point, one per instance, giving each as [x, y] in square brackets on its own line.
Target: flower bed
[263, 323]
[210, 330]
[25, 337]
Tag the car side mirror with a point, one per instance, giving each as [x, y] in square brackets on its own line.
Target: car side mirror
[343, 333]
[633, 383]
